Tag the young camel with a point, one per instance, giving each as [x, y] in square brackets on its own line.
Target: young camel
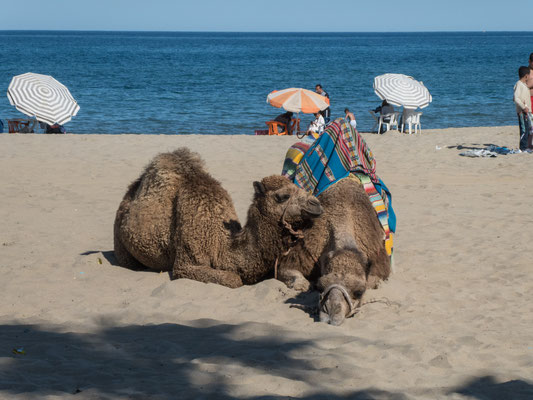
[343, 253]
[176, 217]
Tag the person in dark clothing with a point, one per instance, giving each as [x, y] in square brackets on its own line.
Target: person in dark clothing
[327, 112]
[55, 128]
[286, 119]
[384, 108]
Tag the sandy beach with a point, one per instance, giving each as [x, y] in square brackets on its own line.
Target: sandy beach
[458, 325]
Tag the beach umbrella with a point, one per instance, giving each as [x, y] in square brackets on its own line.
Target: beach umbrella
[298, 100]
[42, 97]
[402, 90]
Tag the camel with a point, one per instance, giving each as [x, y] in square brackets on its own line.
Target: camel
[176, 217]
[342, 254]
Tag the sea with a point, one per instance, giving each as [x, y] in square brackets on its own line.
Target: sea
[217, 83]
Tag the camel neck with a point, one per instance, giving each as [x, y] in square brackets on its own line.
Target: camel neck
[255, 250]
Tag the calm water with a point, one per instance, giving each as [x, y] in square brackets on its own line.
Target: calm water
[148, 82]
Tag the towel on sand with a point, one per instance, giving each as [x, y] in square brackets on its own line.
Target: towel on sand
[490, 151]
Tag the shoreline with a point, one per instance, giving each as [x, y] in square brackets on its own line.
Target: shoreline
[429, 130]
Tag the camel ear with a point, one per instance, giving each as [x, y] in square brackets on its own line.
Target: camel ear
[259, 188]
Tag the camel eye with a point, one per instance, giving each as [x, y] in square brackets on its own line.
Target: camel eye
[282, 198]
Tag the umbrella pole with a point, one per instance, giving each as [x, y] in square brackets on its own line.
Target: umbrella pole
[298, 132]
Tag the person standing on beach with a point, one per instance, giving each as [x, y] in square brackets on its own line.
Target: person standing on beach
[350, 117]
[522, 100]
[327, 112]
[531, 67]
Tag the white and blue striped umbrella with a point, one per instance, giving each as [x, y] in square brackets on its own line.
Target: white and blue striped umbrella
[42, 97]
[402, 90]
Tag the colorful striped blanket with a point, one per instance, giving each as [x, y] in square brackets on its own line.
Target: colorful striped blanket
[380, 202]
[294, 156]
[337, 153]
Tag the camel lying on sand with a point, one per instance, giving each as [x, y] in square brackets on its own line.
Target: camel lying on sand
[343, 253]
[176, 217]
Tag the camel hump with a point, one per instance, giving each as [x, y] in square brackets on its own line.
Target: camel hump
[169, 171]
[182, 160]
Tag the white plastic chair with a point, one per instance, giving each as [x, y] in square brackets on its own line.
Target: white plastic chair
[412, 119]
[389, 120]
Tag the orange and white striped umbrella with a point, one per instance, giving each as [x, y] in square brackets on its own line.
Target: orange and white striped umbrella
[298, 100]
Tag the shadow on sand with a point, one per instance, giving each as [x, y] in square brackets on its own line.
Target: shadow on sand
[487, 388]
[108, 255]
[167, 361]
[171, 361]
[306, 302]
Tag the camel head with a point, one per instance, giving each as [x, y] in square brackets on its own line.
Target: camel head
[279, 200]
[342, 284]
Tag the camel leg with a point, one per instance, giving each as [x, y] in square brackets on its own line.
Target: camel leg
[294, 279]
[205, 274]
[124, 258]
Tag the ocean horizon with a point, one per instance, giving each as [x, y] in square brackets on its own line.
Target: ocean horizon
[162, 82]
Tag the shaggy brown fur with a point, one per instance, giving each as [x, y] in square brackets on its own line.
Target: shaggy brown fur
[177, 217]
[345, 246]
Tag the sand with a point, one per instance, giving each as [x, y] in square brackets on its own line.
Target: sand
[459, 323]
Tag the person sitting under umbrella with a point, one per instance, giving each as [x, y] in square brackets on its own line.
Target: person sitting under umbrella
[384, 108]
[316, 127]
[286, 119]
[54, 128]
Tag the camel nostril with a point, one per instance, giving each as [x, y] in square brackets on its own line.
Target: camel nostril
[313, 207]
[314, 202]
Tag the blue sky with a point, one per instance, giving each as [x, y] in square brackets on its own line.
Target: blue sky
[267, 15]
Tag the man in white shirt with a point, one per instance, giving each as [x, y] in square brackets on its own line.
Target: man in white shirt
[522, 100]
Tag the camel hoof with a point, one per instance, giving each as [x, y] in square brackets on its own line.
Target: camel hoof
[295, 280]
[298, 283]
[301, 285]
